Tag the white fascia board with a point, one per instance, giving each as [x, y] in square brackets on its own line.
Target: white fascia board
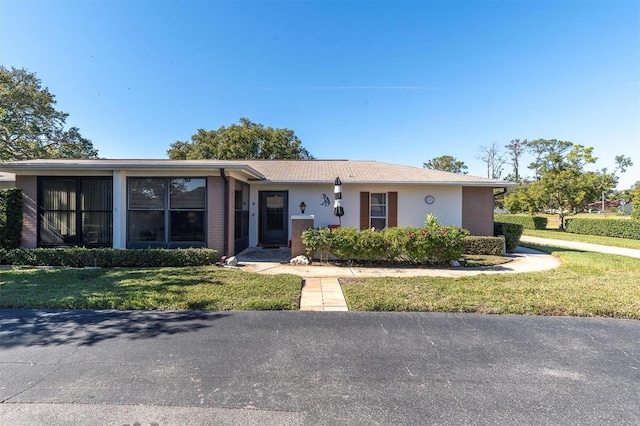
[107, 167]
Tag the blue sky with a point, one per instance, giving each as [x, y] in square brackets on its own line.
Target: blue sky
[396, 81]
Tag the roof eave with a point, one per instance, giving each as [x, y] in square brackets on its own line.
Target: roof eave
[110, 166]
[496, 184]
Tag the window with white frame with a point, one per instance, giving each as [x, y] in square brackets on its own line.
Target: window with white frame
[378, 210]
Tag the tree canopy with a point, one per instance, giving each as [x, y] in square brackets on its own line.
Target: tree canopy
[247, 140]
[30, 125]
[562, 184]
[515, 149]
[446, 163]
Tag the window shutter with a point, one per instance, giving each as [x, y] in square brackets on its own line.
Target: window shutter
[364, 210]
[392, 199]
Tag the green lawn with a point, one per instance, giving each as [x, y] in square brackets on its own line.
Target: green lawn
[594, 239]
[210, 288]
[588, 284]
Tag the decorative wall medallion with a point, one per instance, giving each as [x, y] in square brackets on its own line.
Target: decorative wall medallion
[429, 199]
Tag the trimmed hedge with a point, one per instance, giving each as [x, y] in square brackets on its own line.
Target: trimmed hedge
[10, 218]
[527, 222]
[511, 231]
[432, 243]
[79, 257]
[618, 228]
[491, 246]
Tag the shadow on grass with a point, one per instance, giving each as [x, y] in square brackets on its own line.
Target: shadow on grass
[89, 327]
[125, 289]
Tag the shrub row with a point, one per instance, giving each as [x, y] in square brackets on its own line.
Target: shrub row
[605, 227]
[511, 231]
[432, 243]
[10, 218]
[491, 246]
[527, 222]
[79, 257]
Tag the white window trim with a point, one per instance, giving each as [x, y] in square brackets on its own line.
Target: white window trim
[385, 205]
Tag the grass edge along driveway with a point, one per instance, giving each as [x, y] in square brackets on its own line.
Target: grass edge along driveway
[198, 288]
[587, 284]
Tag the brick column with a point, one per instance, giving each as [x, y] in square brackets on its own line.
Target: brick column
[29, 187]
[298, 224]
[477, 210]
[215, 214]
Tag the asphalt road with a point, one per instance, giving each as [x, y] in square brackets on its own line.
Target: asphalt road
[291, 368]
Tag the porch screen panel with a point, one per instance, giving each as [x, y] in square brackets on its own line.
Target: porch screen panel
[147, 205]
[75, 211]
[96, 203]
[241, 222]
[188, 194]
[167, 212]
[187, 203]
[57, 211]
[187, 226]
[147, 193]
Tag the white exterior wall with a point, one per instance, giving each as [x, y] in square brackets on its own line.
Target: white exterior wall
[412, 209]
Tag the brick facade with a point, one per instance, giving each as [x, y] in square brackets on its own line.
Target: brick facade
[215, 214]
[297, 226]
[477, 210]
[29, 187]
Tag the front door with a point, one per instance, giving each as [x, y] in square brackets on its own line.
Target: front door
[273, 217]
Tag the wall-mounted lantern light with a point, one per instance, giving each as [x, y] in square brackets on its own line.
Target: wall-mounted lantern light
[303, 206]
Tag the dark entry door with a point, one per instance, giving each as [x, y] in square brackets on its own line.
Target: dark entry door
[273, 217]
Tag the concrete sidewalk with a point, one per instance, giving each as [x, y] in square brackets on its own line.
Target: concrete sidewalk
[321, 290]
[523, 260]
[581, 246]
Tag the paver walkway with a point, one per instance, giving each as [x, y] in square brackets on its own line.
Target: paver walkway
[321, 290]
[322, 294]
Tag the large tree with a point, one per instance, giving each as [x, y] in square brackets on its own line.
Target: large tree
[562, 184]
[30, 125]
[547, 152]
[446, 163]
[247, 140]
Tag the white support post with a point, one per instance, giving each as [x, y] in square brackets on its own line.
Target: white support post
[119, 209]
